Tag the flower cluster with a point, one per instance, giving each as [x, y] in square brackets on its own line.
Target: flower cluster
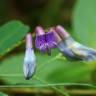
[54, 37]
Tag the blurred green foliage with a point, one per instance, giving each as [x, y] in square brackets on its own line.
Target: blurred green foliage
[84, 22]
[51, 13]
[2, 94]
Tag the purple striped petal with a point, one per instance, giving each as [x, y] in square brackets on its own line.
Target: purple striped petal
[51, 40]
[40, 43]
[44, 41]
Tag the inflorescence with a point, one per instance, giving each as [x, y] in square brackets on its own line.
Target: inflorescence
[55, 37]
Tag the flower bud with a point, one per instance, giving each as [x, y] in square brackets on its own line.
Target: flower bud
[29, 59]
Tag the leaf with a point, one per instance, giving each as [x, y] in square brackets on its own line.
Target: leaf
[10, 35]
[84, 22]
[50, 70]
[2, 94]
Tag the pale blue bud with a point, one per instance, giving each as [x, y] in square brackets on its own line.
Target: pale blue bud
[29, 59]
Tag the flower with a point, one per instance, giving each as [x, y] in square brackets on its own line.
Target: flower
[63, 48]
[71, 48]
[44, 41]
[29, 59]
[40, 39]
[51, 40]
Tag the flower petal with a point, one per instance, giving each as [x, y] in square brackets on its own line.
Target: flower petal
[40, 43]
[51, 40]
[62, 32]
[29, 63]
[29, 41]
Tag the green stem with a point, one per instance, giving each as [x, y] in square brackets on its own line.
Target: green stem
[56, 89]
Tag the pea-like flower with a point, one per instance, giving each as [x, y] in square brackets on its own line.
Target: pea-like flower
[45, 41]
[29, 59]
[71, 48]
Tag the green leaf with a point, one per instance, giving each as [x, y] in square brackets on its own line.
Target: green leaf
[10, 35]
[84, 22]
[50, 70]
[3, 94]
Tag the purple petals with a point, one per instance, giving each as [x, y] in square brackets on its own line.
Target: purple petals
[39, 31]
[40, 42]
[40, 39]
[62, 32]
[44, 41]
[50, 38]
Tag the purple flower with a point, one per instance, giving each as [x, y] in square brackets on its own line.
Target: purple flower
[29, 59]
[45, 41]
